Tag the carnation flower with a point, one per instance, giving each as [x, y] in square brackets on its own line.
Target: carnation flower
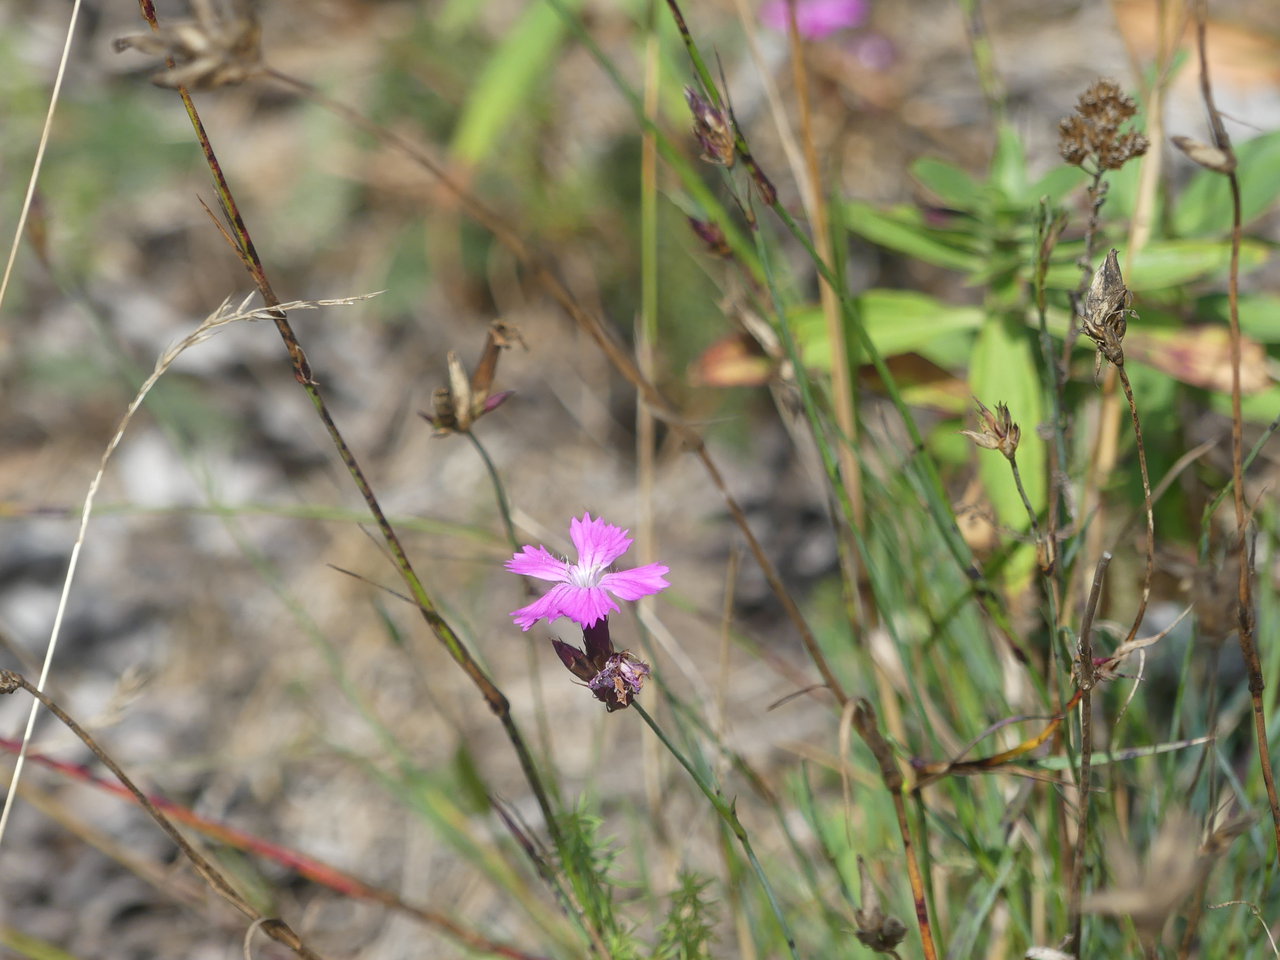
[582, 590]
[815, 19]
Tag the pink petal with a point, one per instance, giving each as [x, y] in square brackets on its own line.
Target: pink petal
[598, 543]
[815, 19]
[538, 562]
[585, 606]
[636, 583]
[544, 608]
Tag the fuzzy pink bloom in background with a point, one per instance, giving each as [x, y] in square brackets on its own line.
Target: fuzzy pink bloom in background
[815, 19]
[582, 590]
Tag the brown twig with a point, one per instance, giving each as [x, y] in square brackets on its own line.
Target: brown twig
[276, 929]
[842, 399]
[864, 721]
[1244, 585]
[1146, 502]
[1086, 678]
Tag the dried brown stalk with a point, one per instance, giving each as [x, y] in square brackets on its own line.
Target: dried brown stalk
[1224, 162]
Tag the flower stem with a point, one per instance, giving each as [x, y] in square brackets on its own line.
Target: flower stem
[728, 813]
[499, 491]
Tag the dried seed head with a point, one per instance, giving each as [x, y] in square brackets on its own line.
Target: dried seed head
[713, 130]
[210, 51]
[876, 929]
[998, 432]
[1093, 131]
[1106, 308]
[457, 407]
[621, 679]
[711, 235]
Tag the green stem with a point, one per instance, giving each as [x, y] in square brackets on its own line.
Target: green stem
[728, 813]
[499, 491]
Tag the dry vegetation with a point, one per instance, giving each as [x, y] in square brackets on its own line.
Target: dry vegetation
[241, 638]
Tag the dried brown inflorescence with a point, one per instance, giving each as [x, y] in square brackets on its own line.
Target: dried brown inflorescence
[615, 677]
[712, 128]
[712, 237]
[456, 407]
[1104, 319]
[1092, 133]
[213, 50]
[880, 931]
[998, 432]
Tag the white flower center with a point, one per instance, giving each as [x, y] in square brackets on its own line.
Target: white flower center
[585, 576]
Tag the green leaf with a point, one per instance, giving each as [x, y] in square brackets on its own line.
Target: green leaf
[948, 183]
[1009, 164]
[1205, 205]
[1258, 407]
[1169, 264]
[902, 229]
[1259, 314]
[1057, 183]
[507, 81]
[1122, 192]
[898, 321]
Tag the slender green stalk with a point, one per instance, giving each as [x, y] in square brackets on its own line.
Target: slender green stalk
[499, 490]
[728, 813]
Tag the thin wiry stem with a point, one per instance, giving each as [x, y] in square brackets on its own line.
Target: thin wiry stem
[1026, 500]
[1244, 584]
[728, 813]
[1085, 676]
[27, 201]
[505, 234]
[499, 490]
[842, 399]
[314, 870]
[1146, 502]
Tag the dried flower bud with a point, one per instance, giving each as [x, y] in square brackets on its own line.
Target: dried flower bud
[1105, 310]
[998, 432]
[1093, 131]
[876, 929]
[768, 192]
[621, 679]
[208, 52]
[713, 130]
[614, 678]
[711, 235]
[1208, 156]
[457, 407]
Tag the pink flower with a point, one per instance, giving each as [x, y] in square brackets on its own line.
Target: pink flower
[815, 19]
[582, 589]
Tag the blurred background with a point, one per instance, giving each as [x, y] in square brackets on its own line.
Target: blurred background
[233, 636]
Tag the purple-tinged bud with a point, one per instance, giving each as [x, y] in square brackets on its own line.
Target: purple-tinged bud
[712, 236]
[714, 133]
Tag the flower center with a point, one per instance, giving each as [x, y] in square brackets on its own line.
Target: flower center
[585, 576]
